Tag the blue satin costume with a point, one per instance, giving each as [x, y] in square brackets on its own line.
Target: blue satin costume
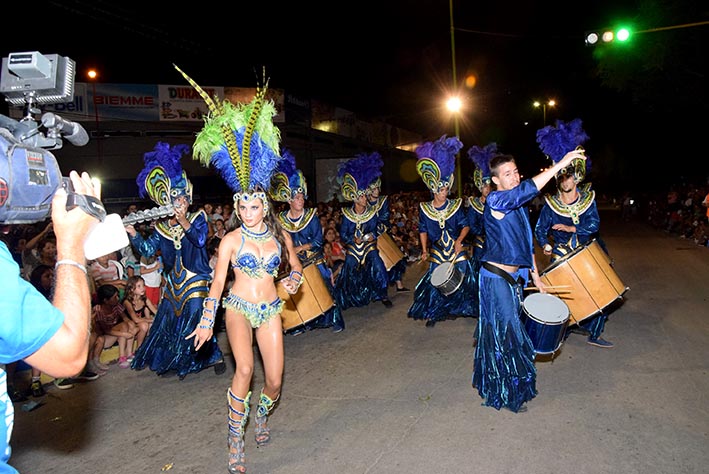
[504, 371]
[363, 277]
[477, 232]
[583, 214]
[307, 230]
[382, 205]
[187, 273]
[443, 226]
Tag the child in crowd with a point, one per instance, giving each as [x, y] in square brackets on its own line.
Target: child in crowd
[151, 271]
[139, 308]
[111, 325]
[107, 270]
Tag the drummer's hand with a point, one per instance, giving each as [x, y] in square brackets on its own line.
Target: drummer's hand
[457, 247]
[564, 228]
[130, 230]
[572, 155]
[290, 285]
[200, 336]
[538, 282]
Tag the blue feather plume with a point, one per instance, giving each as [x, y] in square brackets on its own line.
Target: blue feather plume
[557, 141]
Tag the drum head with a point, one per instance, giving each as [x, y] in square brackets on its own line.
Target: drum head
[546, 308]
[441, 274]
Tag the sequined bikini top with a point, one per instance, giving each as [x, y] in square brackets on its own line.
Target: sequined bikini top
[254, 266]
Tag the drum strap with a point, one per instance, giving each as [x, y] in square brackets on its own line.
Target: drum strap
[500, 272]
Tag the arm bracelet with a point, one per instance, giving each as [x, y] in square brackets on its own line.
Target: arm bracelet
[72, 263]
[209, 308]
[299, 281]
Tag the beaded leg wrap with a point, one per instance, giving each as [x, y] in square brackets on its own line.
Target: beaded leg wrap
[235, 438]
[265, 406]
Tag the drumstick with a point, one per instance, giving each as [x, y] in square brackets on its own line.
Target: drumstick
[548, 287]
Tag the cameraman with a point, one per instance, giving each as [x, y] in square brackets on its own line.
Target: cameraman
[50, 337]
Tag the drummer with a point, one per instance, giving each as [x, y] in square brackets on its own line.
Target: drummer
[569, 219]
[504, 371]
[443, 225]
[303, 225]
[381, 204]
[363, 277]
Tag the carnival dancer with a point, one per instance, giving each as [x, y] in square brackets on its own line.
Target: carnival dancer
[182, 243]
[381, 204]
[363, 277]
[288, 185]
[443, 225]
[569, 218]
[504, 371]
[241, 143]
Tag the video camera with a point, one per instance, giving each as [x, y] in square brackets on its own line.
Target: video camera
[29, 173]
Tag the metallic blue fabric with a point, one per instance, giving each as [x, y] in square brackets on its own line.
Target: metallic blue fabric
[504, 371]
[180, 310]
[310, 232]
[363, 277]
[562, 242]
[501, 245]
[429, 303]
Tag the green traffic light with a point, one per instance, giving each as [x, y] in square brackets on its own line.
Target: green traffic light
[623, 34]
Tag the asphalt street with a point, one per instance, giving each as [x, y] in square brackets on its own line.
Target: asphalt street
[388, 395]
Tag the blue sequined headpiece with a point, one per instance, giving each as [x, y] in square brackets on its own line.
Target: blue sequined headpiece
[436, 162]
[556, 141]
[481, 158]
[356, 174]
[287, 181]
[162, 178]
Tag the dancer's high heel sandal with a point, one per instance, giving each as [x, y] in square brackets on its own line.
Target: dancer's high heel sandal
[235, 438]
[265, 406]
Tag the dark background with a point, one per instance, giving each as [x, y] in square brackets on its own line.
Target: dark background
[643, 103]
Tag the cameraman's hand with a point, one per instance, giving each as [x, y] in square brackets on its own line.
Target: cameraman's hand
[72, 227]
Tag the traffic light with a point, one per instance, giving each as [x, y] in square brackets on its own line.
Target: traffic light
[607, 35]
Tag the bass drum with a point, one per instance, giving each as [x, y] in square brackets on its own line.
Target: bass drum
[594, 284]
[310, 301]
[391, 254]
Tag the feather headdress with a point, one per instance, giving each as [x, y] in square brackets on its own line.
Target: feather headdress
[287, 181]
[481, 158]
[240, 142]
[436, 162]
[356, 174]
[376, 163]
[162, 178]
[556, 141]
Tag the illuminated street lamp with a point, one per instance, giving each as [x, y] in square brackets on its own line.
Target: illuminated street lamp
[543, 105]
[454, 104]
[92, 74]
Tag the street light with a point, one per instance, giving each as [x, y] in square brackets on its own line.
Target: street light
[92, 74]
[550, 103]
[456, 103]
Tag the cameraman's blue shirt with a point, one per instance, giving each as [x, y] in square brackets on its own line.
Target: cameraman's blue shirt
[28, 321]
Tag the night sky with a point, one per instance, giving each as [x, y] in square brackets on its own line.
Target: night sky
[643, 106]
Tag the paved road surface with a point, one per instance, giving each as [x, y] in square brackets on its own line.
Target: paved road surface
[388, 395]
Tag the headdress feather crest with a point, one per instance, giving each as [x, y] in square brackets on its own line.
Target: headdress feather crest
[556, 141]
[287, 181]
[356, 174]
[239, 140]
[162, 176]
[481, 157]
[436, 162]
